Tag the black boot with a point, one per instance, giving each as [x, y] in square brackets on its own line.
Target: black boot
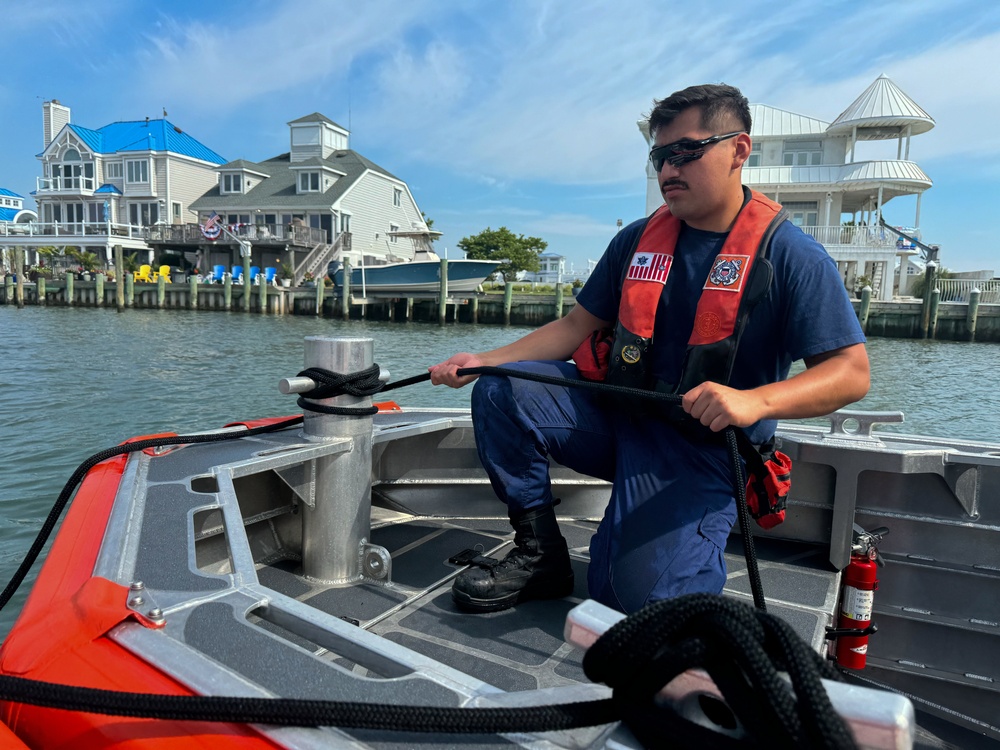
[537, 568]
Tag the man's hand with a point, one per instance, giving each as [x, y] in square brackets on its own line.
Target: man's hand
[718, 406]
[446, 373]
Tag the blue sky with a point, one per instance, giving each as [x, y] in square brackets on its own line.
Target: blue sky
[521, 113]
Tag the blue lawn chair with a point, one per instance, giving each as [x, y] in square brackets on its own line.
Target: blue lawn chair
[254, 273]
[269, 274]
[217, 276]
[237, 274]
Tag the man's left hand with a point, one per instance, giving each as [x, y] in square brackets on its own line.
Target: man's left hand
[718, 406]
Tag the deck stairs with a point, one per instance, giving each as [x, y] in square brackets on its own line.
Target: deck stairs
[937, 605]
[320, 256]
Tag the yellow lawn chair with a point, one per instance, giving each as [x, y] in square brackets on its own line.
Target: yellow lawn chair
[142, 274]
[164, 272]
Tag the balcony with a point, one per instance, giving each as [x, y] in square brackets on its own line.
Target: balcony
[258, 234]
[36, 234]
[65, 185]
[863, 236]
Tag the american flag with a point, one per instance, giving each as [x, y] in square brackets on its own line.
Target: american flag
[211, 220]
[650, 267]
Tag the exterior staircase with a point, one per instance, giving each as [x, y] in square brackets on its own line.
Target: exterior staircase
[320, 256]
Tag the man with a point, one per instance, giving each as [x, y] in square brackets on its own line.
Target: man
[672, 505]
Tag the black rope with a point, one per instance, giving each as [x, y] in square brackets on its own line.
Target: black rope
[307, 712]
[742, 649]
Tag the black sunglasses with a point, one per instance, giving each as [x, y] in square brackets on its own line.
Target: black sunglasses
[685, 150]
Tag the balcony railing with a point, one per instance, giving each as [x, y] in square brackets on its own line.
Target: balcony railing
[71, 229]
[857, 236]
[958, 290]
[65, 184]
[259, 234]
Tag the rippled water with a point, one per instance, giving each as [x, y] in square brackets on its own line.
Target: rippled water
[76, 381]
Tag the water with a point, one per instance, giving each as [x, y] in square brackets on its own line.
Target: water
[76, 381]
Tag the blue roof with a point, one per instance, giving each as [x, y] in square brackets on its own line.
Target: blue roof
[8, 214]
[108, 188]
[9, 193]
[140, 135]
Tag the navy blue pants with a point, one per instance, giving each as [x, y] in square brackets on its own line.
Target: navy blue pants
[671, 507]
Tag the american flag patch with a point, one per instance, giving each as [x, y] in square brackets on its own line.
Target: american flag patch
[650, 267]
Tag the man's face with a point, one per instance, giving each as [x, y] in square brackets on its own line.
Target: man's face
[702, 192]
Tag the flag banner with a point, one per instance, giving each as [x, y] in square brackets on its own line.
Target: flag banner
[650, 267]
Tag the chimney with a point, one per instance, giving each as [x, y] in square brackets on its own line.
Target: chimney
[54, 118]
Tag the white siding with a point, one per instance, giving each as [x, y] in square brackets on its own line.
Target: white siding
[369, 202]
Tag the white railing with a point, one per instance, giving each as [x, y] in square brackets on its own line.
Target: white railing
[67, 184]
[71, 229]
[958, 290]
[857, 236]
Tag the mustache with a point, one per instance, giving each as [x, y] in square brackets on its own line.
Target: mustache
[672, 183]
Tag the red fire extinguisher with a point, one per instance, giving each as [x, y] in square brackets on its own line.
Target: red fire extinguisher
[856, 600]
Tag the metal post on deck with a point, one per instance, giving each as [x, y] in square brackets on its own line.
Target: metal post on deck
[336, 529]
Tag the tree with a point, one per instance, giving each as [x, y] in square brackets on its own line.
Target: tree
[429, 223]
[516, 253]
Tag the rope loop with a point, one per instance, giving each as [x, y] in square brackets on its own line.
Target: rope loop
[742, 649]
[361, 383]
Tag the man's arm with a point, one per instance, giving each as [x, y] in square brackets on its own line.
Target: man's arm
[830, 381]
[556, 340]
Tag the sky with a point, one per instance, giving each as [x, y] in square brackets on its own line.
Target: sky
[520, 113]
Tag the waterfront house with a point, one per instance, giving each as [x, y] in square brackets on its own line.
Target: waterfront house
[106, 186]
[812, 168]
[17, 217]
[318, 202]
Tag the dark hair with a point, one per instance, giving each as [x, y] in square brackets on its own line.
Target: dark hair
[719, 104]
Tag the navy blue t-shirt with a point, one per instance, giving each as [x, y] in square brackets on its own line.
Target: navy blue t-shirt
[806, 311]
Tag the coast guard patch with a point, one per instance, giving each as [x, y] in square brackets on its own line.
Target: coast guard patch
[650, 267]
[727, 273]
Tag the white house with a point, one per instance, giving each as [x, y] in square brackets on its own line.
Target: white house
[810, 167]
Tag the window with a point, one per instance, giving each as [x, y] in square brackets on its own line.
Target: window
[309, 182]
[137, 171]
[143, 214]
[397, 197]
[755, 153]
[802, 213]
[345, 222]
[113, 170]
[232, 183]
[175, 210]
[802, 153]
[393, 228]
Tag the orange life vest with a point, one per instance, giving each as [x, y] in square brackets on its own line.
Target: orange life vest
[739, 278]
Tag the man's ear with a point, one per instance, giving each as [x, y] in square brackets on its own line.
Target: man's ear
[742, 153]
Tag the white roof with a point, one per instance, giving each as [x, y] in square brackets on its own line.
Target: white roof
[882, 111]
[771, 121]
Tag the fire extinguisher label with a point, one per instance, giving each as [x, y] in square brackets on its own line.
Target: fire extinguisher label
[860, 649]
[857, 605]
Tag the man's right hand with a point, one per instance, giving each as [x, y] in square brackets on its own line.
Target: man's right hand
[446, 373]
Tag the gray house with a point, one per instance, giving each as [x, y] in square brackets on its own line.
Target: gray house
[316, 203]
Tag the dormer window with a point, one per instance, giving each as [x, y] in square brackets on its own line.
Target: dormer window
[232, 183]
[309, 182]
